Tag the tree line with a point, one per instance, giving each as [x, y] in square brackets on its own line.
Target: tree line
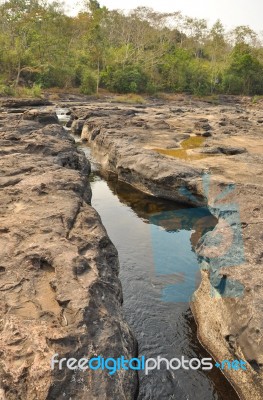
[140, 52]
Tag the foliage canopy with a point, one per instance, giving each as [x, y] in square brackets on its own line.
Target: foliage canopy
[140, 52]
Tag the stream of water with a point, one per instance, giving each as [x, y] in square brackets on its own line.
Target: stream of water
[155, 240]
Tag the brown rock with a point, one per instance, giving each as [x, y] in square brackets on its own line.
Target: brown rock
[59, 290]
[17, 103]
[44, 117]
[228, 326]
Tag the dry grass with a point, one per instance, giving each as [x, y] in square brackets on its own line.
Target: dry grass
[170, 96]
[21, 91]
[129, 99]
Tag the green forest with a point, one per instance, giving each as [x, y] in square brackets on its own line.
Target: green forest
[140, 52]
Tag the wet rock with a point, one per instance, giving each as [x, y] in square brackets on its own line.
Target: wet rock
[72, 118]
[76, 126]
[69, 123]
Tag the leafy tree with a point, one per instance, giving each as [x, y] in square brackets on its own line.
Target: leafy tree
[96, 39]
[243, 34]
[142, 51]
[245, 73]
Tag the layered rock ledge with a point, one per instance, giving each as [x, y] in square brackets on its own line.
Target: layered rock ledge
[59, 288]
[224, 174]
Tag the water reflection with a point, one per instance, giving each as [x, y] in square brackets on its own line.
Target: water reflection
[163, 328]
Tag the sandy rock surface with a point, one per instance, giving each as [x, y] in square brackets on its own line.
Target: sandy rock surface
[59, 286]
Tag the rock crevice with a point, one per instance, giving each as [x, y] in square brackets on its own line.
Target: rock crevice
[60, 291]
[228, 301]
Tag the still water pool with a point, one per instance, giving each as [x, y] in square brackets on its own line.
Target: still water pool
[159, 271]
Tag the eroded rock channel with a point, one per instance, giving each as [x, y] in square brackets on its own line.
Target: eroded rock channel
[59, 290]
[223, 173]
[59, 287]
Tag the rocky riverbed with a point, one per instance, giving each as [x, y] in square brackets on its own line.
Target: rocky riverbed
[201, 154]
[60, 291]
[59, 287]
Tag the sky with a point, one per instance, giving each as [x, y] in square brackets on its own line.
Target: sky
[230, 12]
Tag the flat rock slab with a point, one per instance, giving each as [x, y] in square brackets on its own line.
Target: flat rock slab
[17, 103]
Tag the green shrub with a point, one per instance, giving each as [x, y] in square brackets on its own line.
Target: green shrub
[36, 90]
[54, 76]
[6, 90]
[232, 83]
[21, 91]
[88, 83]
[151, 88]
[256, 99]
[197, 79]
[127, 79]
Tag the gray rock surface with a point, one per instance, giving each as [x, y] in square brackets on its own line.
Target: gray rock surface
[44, 117]
[230, 321]
[77, 126]
[59, 288]
[16, 103]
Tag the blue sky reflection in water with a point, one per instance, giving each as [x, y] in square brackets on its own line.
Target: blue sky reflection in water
[173, 235]
[162, 328]
[174, 257]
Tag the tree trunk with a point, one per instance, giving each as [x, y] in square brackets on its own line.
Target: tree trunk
[98, 77]
[18, 74]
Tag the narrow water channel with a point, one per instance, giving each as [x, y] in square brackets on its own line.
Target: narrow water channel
[159, 272]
